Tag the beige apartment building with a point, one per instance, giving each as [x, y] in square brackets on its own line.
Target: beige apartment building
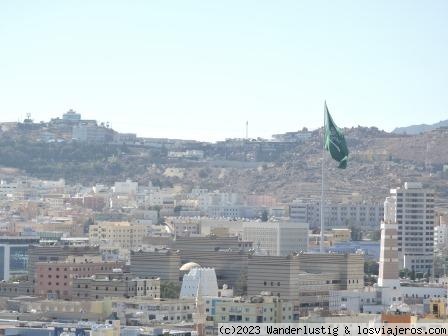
[258, 309]
[153, 312]
[101, 286]
[121, 235]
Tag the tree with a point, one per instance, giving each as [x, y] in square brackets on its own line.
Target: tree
[264, 216]
[371, 267]
[376, 235]
[87, 224]
[405, 273]
[241, 284]
[356, 233]
[169, 290]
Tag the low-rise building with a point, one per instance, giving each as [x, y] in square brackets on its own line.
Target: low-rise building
[137, 311]
[257, 309]
[163, 264]
[308, 278]
[55, 278]
[58, 252]
[120, 235]
[116, 284]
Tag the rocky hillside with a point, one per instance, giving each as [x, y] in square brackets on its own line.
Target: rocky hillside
[378, 161]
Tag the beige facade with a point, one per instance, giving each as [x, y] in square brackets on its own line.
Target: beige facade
[154, 312]
[115, 285]
[308, 278]
[121, 235]
[389, 266]
[349, 267]
[76, 310]
[277, 238]
[47, 253]
[258, 309]
[163, 264]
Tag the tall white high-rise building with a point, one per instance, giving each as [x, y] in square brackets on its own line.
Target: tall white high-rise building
[411, 207]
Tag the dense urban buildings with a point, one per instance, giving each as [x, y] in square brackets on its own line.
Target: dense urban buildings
[149, 254]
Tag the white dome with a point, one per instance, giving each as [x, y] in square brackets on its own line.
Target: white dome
[189, 266]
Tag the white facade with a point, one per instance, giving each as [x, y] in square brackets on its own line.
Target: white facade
[423, 292]
[224, 211]
[352, 301]
[158, 310]
[199, 280]
[414, 215]
[277, 238]
[71, 115]
[127, 187]
[298, 211]
[337, 215]
[441, 237]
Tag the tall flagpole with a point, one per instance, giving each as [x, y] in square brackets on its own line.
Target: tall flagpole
[322, 238]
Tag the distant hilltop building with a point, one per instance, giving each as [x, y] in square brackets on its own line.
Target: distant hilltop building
[71, 116]
[298, 136]
[87, 131]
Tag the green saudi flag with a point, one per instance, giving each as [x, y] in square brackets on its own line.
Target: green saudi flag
[334, 141]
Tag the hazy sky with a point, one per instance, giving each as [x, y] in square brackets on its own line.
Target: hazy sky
[200, 69]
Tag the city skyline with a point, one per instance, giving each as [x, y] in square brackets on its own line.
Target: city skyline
[172, 168]
[200, 71]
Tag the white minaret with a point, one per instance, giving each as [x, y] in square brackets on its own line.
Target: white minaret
[199, 316]
[388, 280]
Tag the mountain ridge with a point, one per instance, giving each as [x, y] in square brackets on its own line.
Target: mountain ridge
[421, 128]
